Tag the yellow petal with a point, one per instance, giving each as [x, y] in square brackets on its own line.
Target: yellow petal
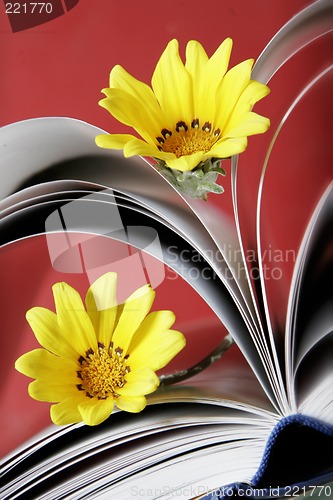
[101, 303]
[94, 411]
[132, 112]
[45, 366]
[67, 412]
[132, 313]
[233, 84]
[157, 321]
[252, 94]
[113, 141]
[139, 383]
[196, 58]
[173, 87]
[44, 324]
[157, 349]
[250, 124]
[73, 319]
[186, 162]
[218, 64]
[207, 82]
[50, 391]
[139, 147]
[121, 79]
[133, 404]
[225, 148]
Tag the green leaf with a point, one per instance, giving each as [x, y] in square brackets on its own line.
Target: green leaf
[196, 183]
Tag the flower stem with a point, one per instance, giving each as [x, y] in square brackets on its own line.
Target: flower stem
[215, 355]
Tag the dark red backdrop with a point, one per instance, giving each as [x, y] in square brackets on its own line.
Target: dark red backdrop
[58, 69]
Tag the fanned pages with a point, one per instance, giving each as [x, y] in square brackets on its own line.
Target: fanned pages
[254, 383]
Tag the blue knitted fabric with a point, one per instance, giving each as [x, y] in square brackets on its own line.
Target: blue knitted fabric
[298, 454]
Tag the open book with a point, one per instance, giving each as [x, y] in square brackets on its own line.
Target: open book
[258, 421]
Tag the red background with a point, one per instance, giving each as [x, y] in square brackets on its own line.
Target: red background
[58, 69]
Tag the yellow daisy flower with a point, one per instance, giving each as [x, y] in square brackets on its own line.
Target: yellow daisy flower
[193, 114]
[98, 356]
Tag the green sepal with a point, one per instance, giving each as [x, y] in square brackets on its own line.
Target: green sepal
[196, 183]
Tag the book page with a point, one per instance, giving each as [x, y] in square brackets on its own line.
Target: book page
[311, 306]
